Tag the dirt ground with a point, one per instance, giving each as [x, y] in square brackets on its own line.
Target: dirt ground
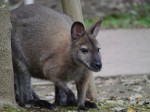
[115, 94]
[121, 89]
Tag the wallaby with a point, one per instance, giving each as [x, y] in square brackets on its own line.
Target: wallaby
[49, 45]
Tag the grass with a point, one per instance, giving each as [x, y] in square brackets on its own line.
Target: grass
[102, 107]
[106, 107]
[8, 108]
[139, 19]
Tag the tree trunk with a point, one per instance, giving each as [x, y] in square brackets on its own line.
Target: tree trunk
[6, 71]
[72, 8]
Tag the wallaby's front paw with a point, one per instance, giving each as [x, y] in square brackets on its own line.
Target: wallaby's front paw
[72, 102]
[41, 104]
[90, 104]
[82, 108]
[61, 101]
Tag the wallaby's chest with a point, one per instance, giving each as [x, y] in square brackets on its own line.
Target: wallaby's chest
[73, 73]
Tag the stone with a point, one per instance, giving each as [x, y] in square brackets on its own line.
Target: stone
[111, 102]
[119, 109]
[120, 102]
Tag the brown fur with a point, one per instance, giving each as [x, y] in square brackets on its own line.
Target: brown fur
[50, 49]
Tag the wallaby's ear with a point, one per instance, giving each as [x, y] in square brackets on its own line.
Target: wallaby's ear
[77, 30]
[95, 28]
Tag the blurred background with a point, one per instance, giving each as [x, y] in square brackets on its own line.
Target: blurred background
[117, 13]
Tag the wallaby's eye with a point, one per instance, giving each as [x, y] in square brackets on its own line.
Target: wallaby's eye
[84, 50]
[98, 49]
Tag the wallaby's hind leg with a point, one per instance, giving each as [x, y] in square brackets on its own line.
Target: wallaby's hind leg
[22, 84]
[25, 96]
[64, 99]
[35, 96]
[60, 96]
[71, 100]
[68, 99]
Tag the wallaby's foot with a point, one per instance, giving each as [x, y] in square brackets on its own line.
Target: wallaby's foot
[61, 100]
[90, 104]
[22, 93]
[64, 99]
[87, 105]
[40, 104]
[71, 100]
[60, 97]
[82, 108]
[68, 99]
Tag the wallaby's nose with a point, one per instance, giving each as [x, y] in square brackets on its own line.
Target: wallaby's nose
[98, 65]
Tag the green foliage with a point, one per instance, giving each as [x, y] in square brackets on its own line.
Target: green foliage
[139, 18]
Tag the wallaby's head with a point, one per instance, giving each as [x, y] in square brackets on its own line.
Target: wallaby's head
[85, 47]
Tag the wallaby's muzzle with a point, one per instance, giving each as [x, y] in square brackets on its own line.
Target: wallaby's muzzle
[96, 63]
[96, 66]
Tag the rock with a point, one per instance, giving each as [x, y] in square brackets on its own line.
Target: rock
[119, 109]
[101, 99]
[141, 102]
[120, 102]
[135, 96]
[133, 102]
[138, 88]
[146, 102]
[121, 91]
[112, 98]
[111, 102]
[124, 110]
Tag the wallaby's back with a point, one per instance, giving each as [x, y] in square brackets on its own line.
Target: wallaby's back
[42, 34]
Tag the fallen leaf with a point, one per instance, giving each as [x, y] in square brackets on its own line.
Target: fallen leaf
[131, 110]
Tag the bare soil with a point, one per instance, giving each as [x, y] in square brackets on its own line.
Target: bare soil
[127, 89]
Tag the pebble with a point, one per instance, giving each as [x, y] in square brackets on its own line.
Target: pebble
[146, 102]
[138, 88]
[111, 102]
[120, 102]
[119, 109]
[135, 97]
